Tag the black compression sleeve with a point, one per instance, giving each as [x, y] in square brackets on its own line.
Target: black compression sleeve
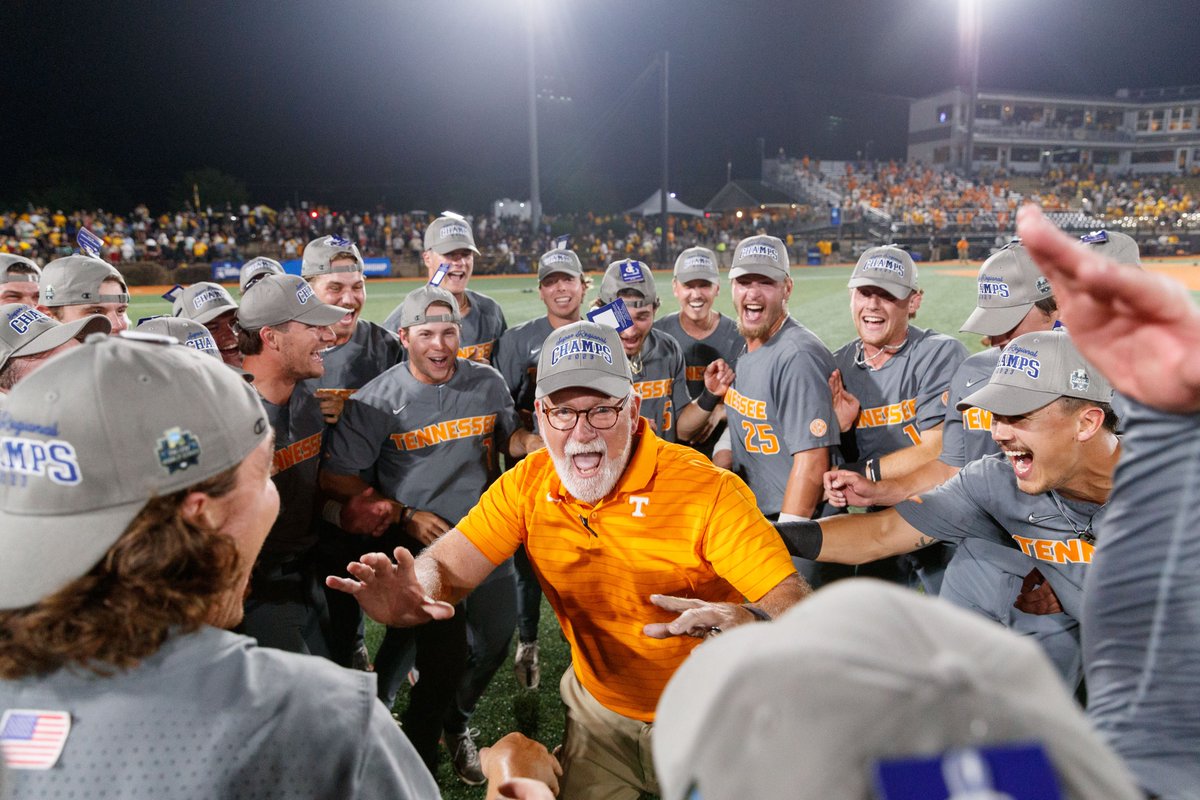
[803, 539]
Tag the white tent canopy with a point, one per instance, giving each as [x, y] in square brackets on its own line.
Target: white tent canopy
[653, 205]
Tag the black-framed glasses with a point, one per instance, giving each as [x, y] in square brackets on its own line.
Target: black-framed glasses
[601, 418]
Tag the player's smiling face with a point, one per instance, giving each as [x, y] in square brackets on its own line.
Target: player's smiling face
[432, 347]
[635, 335]
[461, 265]
[880, 318]
[563, 294]
[761, 305]
[588, 461]
[300, 349]
[345, 289]
[225, 337]
[1041, 446]
[696, 298]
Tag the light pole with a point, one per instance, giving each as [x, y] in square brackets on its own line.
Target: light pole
[970, 28]
[535, 191]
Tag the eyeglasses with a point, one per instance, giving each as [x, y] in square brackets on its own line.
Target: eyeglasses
[601, 418]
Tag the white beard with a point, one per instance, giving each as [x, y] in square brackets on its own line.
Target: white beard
[591, 490]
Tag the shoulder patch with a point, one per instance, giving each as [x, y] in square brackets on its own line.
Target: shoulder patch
[33, 739]
[817, 427]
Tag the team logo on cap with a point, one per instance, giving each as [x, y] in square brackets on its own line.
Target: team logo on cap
[1080, 380]
[48, 291]
[557, 258]
[990, 287]
[203, 342]
[23, 319]
[580, 346]
[1019, 359]
[697, 262]
[304, 293]
[764, 250]
[41, 458]
[631, 272]
[206, 297]
[177, 450]
[1042, 285]
[453, 230]
[884, 264]
[1095, 237]
[337, 241]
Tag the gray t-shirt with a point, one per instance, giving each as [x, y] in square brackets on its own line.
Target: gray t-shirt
[1141, 609]
[661, 382]
[982, 501]
[299, 427]
[481, 327]
[370, 350]
[212, 716]
[904, 397]
[967, 435]
[724, 342]
[516, 357]
[780, 405]
[431, 447]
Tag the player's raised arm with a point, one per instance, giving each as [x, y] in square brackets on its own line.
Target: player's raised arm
[1118, 316]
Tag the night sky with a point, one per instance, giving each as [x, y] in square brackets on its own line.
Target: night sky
[422, 104]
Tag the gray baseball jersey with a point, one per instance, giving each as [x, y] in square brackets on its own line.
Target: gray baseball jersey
[983, 501]
[780, 405]
[516, 357]
[724, 342]
[211, 716]
[1141, 608]
[370, 351]
[430, 446]
[299, 427]
[906, 395]
[661, 382]
[967, 436]
[481, 327]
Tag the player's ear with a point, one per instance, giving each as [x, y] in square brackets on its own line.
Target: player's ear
[635, 406]
[1089, 422]
[197, 509]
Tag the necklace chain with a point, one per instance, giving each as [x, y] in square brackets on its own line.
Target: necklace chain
[1086, 534]
[862, 360]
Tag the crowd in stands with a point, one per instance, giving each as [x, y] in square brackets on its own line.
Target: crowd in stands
[906, 197]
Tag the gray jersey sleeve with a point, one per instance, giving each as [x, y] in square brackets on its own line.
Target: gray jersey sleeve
[955, 510]
[805, 405]
[354, 443]
[1141, 607]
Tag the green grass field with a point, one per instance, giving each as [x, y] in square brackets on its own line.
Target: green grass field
[819, 300]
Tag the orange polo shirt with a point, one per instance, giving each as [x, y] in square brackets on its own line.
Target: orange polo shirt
[674, 524]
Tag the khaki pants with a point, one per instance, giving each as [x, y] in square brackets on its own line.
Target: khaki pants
[605, 756]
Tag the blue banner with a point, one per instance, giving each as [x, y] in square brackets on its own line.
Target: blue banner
[229, 271]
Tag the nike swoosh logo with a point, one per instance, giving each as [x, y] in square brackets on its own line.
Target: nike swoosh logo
[972, 383]
[1034, 519]
[535, 351]
[401, 408]
[551, 498]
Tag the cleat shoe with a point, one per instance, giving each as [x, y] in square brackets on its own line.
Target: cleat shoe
[464, 756]
[525, 665]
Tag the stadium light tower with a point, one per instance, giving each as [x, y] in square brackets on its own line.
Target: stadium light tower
[535, 190]
[970, 26]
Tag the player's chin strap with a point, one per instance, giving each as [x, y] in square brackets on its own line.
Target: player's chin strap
[861, 359]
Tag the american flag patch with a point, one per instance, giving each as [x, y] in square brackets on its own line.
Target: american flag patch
[31, 739]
